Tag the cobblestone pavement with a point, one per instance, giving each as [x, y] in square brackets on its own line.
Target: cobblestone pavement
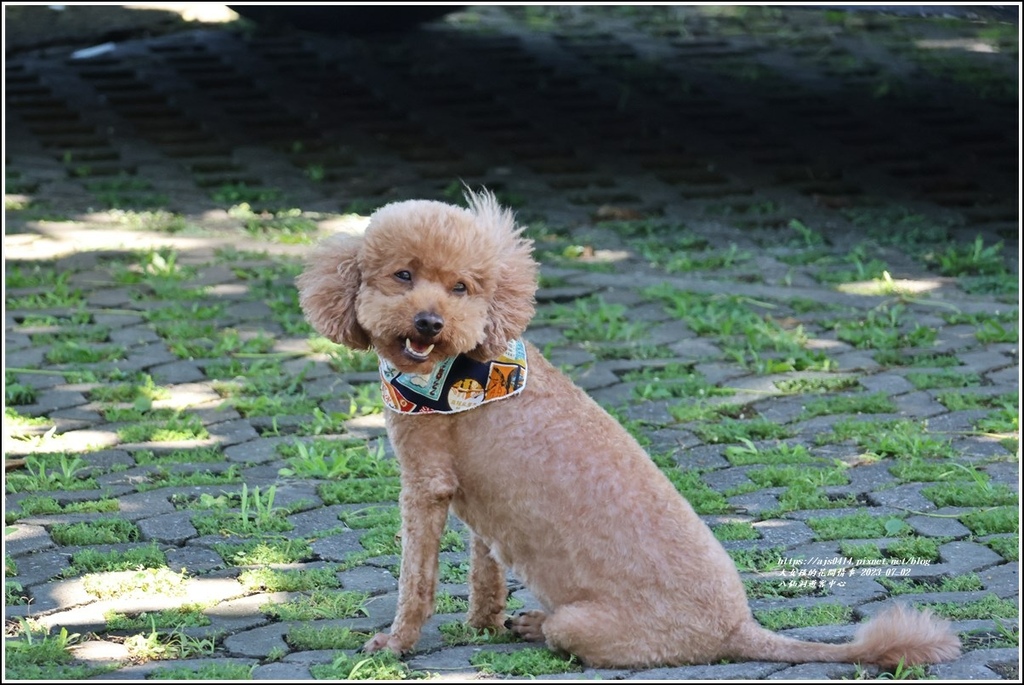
[780, 244]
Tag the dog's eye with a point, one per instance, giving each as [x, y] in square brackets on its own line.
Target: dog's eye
[460, 288]
[403, 275]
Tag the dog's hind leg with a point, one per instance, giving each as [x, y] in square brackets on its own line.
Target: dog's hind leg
[487, 589]
[592, 632]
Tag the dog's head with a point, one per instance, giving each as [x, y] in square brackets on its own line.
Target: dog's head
[426, 281]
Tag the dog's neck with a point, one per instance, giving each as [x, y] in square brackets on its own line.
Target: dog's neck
[455, 384]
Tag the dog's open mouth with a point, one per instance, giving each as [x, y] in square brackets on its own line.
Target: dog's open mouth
[416, 351]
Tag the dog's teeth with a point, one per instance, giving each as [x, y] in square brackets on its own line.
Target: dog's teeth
[417, 353]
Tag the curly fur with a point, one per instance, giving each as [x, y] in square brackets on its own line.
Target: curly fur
[549, 484]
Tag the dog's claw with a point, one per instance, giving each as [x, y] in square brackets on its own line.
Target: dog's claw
[381, 641]
[528, 625]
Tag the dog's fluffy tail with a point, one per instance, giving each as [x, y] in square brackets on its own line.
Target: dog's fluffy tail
[898, 633]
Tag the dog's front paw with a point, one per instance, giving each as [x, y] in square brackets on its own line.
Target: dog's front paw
[492, 623]
[528, 625]
[382, 641]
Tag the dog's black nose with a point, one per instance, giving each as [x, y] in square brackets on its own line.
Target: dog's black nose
[428, 324]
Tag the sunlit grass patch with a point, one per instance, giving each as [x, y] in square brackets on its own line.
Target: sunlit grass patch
[266, 551]
[915, 547]
[187, 615]
[288, 580]
[988, 607]
[164, 478]
[135, 583]
[383, 665]
[313, 637]
[160, 425]
[900, 438]
[1008, 546]
[335, 459]
[736, 430]
[781, 453]
[758, 560]
[802, 617]
[319, 604]
[740, 530]
[531, 661]
[75, 352]
[943, 379]
[208, 671]
[102, 531]
[35, 655]
[862, 525]
[359, 490]
[38, 505]
[970, 494]
[50, 471]
[874, 403]
[992, 521]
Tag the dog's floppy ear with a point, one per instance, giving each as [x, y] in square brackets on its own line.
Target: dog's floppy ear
[512, 306]
[328, 289]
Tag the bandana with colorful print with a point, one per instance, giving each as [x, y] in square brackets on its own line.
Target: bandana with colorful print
[455, 384]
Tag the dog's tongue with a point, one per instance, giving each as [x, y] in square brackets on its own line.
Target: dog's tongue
[418, 349]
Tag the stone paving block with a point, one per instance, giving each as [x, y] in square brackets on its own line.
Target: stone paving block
[937, 527]
[963, 556]
[748, 670]
[982, 664]
[338, 547]
[315, 521]
[816, 672]
[919, 405]
[60, 594]
[101, 652]
[907, 496]
[1005, 472]
[232, 432]
[705, 457]
[957, 421]
[856, 360]
[249, 311]
[75, 418]
[52, 400]
[112, 298]
[695, 349]
[754, 503]
[891, 384]
[176, 372]
[281, 672]
[1005, 377]
[983, 361]
[21, 538]
[147, 355]
[786, 533]
[193, 558]
[134, 336]
[368, 579]
[678, 441]
[979, 446]
[171, 529]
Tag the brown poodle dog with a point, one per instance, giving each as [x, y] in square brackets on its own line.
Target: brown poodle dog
[551, 486]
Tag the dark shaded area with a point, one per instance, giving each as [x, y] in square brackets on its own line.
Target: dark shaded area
[352, 19]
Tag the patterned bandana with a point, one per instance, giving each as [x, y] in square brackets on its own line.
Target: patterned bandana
[455, 384]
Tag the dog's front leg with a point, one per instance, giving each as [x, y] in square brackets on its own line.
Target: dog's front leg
[424, 506]
[487, 589]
